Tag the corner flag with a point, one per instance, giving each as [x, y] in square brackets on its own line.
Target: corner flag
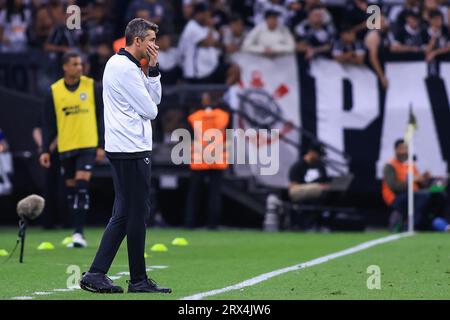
[409, 135]
[411, 127]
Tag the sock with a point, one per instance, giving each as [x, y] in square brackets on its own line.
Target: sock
[70, 199]
[81, 204]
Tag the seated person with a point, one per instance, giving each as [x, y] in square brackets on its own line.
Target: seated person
[348, 49]
[308, 177]
[427, 206]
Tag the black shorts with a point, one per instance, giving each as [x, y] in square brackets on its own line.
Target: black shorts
[77, 160]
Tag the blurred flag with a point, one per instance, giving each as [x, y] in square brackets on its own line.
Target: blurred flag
[412, 125]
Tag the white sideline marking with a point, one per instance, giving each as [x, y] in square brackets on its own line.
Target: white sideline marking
[77, 287]
[42, 293]
[266, 276]
[22, 298]
[64, 290]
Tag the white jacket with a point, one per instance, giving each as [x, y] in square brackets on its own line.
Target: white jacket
[130, 101]
[260, 37]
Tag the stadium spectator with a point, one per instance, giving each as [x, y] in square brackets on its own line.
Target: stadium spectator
[348, 49]
[269, 38]
[154, 7]
[244, 9]
[199, 47]
[98, 59]
[397, 13]
[47, 17]
[187, 10]
[62, 40]
[428, 207]
[139, 13]
[299, 10]
[410, 38]
[233, 37]
[314, 36]
[377, 43]
[437, 37]
[296, 13]
[97, 28]
[14, 22]
[311, 4]
[433, 5]
[168, 59]
[219, 14]
[260, 8]
[356, 15]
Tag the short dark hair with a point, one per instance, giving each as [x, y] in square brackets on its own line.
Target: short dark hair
[316, 7]
[435, 13]
[318, 148]
[199, 8]
[69, 55]
[411, 13]
[346, 27]
[235, 18]
[138, 28]
[271, 13]
[398, 142]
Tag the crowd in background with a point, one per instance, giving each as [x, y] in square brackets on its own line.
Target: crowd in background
[199, 39]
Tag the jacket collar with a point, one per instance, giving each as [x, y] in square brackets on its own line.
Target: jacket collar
[123, 52]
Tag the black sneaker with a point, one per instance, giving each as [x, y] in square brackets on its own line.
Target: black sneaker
[98, 283]
[146, 286]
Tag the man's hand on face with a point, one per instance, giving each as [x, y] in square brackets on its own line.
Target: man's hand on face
[152, 52]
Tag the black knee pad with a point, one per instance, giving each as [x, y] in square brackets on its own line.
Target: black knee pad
[81, 199]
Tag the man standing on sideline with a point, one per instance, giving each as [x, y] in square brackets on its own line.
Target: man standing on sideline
[73, 115]
[131, 96]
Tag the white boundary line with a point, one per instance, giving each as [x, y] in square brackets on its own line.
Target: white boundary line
[266, 276]
[77, 287]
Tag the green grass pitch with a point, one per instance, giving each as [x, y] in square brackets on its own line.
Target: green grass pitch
[416, 267]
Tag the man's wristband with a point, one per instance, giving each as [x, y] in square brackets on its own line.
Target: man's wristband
[153, 71]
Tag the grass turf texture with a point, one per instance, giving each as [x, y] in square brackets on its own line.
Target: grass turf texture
[412, 268]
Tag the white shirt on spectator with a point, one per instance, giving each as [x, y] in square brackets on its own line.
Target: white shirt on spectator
[168, 59]
[279, 40]
[196, 61]
[15, 30]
